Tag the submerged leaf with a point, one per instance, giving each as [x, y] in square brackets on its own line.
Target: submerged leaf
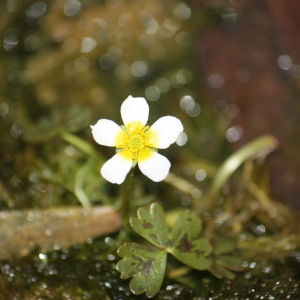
[146, 264]
[231, 262]
[186, 244]
[220, 272]
[224, 257]
[151, 225]
[222, 244]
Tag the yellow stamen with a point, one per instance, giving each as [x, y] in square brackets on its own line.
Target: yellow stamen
[136, 142]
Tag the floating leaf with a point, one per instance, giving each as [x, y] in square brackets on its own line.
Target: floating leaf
[146, 264]
[151, 225]
[186, 244]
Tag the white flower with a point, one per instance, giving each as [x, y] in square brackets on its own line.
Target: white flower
[136, 142]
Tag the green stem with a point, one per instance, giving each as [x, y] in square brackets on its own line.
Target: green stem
[80, 144]
[126, 195]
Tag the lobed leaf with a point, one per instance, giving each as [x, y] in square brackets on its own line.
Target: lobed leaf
[187, 223]
[186, 244]
[151, 225]
[146, 264]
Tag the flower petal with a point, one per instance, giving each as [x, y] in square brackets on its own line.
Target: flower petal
[156, 167]
[116, 169]
[167, 130]
[105, 132]
[135, 110]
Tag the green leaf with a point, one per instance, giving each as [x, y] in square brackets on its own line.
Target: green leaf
[146, 264]
[224, 258]
[258, 148]
[231, 262]
[222, 244]
[186, 244]
[188, 223]
[220, 272]
[151, 225]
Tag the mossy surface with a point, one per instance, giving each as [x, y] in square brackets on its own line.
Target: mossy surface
[87, 271]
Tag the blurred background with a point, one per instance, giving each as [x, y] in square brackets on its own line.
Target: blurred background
[229, 69]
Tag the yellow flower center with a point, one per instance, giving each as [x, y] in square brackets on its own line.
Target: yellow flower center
[136, 141]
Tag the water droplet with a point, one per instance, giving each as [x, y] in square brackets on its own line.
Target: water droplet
[10, 42]
[261, 229]
[123, 20]
[31, 43]
[109, 241]
[163, 84]
[81, 64]
[295, 71]
[115, 51]
[152, 27]
[229, 15]
[16, 130]
[14, 77]
[72, 8]
[88, 44]
[284, 62]
[185, 200]
[43, 256]
[69, 69]
[146, 40]
[193, 109]
[152, 93]
[200, 175]
[182, 139]
[182, 11]
[111, 257]
[11, 5]
[216, 81]
[113, 3]
[189, 169]
[4, 109]
[122, 71]
[234, 133]
[48, 232]
[35, 12]
[185, 101]
[196, 193]
[139, 69]
[233, 111]
[106, 61]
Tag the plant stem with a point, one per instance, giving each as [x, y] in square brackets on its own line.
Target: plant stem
[80, 144]
[126, 195]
